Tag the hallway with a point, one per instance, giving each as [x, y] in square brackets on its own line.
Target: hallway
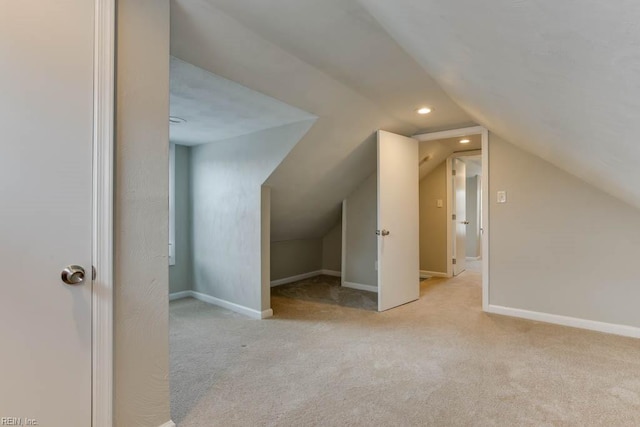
[438, 361]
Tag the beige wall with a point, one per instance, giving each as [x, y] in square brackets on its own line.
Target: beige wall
[332, 249]
[559, 245]
[141, 336]
[433, 220]
[292, 257]
[362, 243]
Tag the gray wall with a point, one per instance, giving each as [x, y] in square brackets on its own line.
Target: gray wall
[559, 245]
[180, 274]
[141, 335]
[332, 249]
[433, 220]
[228, 227]
[293, 257]
[473, 228]
[362, 243]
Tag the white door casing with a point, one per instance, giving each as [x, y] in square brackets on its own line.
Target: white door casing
[459, 199]
[398, 214]
[46, 117]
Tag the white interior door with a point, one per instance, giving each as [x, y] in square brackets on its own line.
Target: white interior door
[398, 221]
[460, 211]
[46, 121]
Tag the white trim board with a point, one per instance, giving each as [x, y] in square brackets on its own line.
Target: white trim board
[179, 295]
[484, 135]
[169, 424]
[360, 287]
[102, 227]
[303, 276]
[331, 273]
[574, 322]
[424, 274]
[249, 312]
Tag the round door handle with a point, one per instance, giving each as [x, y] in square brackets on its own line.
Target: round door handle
[73, 275]
[382, 232]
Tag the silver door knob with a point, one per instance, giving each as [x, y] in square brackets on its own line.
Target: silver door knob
[382, 232]
[73, 275]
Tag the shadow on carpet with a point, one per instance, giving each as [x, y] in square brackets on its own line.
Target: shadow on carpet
[327, 290]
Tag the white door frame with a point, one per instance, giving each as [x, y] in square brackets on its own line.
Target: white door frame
[484, 135]
[102, 246]
[451, 232]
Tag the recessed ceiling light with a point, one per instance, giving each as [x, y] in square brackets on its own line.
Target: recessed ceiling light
[423, 110]
[465, 141]
[174, 120]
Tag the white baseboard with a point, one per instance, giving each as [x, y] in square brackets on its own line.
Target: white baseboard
[303, 276]
[424, 274]
[331, 273]
[179, 295]
[255, 314]
[250, 312]
[610, 328]
[360, 286]
[169, 423]
[295, 278]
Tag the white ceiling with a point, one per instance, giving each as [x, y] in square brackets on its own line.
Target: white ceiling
[437, 151]
[327, 57]
[557, 78]
[216, 108]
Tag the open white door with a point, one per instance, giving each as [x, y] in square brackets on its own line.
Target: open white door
[46, 117]
[398, 221]
[460, 215]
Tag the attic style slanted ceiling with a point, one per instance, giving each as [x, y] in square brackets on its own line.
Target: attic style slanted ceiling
[327, 57]
[557, 78]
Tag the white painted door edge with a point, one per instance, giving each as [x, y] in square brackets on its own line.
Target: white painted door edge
[360, 286]
[592, 325]
[103, 171]
[484, 134]
[343, 266]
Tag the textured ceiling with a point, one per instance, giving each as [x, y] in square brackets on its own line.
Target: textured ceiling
[557, 78]
[216, 108]
[326, 57]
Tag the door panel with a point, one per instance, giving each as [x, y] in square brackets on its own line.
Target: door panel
[46, 122]
[398, 213]
[460, 210]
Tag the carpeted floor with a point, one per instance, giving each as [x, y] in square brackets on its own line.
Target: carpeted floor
[439, 361]
[327, 290]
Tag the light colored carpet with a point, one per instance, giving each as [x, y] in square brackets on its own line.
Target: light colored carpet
[439, 361]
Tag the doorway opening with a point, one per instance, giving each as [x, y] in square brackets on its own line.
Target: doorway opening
[454, 183]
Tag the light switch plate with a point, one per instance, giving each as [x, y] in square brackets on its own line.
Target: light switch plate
[502, 196]
[439, 203]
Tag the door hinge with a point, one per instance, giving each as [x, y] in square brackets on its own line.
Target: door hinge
[453, 172]
[454, 217]
[454, 261]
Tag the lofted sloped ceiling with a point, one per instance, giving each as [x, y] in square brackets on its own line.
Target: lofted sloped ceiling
[326, 57]
[560, 79]
[214, 109]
